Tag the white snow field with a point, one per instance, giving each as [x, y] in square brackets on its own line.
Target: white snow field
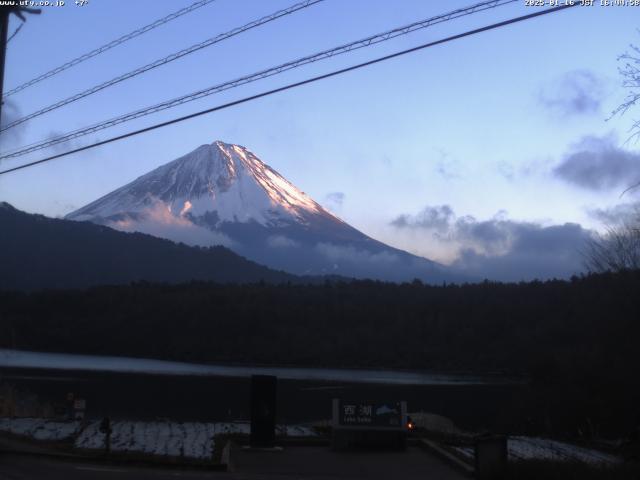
[172, 439]
[533, 448]
[190, 440]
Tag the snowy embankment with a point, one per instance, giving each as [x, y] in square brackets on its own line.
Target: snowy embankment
[532, 448]
[188, 440]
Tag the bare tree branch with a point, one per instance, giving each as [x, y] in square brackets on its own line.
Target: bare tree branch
[630, 73]
[617, 250]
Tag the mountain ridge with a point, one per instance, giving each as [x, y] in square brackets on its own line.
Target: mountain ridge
[224, 194]
[38, 252]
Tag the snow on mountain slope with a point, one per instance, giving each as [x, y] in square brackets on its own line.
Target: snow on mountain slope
[223, 194]
[226, 179]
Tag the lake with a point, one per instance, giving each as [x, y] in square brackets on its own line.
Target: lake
[126, 388]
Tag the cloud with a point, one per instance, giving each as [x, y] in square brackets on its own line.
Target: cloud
[535, 252]
[493, 237]
[62, 147]
[436, 218]
[68, 207]
[280, 241]
[340, 253]
[596, 163]
[10, 113]
[448, 170]
[160, 222]
[616, 215]
[447, 167]
[578, 92]
[500, 248]
[334, 200]
[522, 170]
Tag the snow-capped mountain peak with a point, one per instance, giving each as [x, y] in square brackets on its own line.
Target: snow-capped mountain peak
[222, 179]
[223, 194]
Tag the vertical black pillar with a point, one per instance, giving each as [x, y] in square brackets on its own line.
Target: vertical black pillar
[491, 457]
[263, 411]
[4, 30]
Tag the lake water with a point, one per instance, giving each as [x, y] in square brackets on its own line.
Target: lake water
[95, 363]
[148, 389]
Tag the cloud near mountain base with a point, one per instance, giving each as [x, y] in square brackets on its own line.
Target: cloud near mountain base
[500, 248]
[160, 222]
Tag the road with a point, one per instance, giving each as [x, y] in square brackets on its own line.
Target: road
[303, 463]
[28, 467]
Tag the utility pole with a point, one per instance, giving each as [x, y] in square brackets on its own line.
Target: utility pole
[4, 25]
[5, 11]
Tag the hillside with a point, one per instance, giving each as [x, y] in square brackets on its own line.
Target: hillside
[38, 252]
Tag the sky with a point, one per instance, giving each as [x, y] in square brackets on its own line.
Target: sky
[496, 152]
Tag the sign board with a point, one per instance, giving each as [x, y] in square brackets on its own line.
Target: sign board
[80, 404]
[360, 414]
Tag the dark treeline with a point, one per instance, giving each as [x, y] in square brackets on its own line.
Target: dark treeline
[577, 340]
[82, 254]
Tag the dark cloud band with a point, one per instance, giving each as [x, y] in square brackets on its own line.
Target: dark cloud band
[503, 249]
[596, 163]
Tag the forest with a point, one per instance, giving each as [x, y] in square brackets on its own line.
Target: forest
[574, 341]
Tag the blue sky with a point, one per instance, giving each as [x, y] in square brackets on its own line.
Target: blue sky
[502, 132]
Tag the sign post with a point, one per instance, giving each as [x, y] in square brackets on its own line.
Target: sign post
[263, 411]
[105, 428]
[79, 407]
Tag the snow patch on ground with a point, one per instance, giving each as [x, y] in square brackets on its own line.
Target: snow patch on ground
[191, 440]
[167, 439]
[40, 428]
[173, 439]
[533, 448]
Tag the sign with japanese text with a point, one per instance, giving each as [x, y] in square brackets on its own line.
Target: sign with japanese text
[370, 414]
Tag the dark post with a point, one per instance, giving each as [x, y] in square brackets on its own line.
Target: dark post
[491, 457]
[5, 11]
[105, 427]
[69, 406]
[263, 411]
[4, 26]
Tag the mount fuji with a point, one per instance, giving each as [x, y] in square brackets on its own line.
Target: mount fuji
[222, 194]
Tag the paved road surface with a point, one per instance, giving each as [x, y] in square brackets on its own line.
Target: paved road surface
[303, 463]
[27, 467]
[322, 463]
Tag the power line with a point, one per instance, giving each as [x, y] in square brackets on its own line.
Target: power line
[15, 32]
[295, 85]
[162, 61]
[110, 45]
[323, 55]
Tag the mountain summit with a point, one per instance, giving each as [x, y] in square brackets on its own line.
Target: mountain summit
[223, 180]
[224, 194]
